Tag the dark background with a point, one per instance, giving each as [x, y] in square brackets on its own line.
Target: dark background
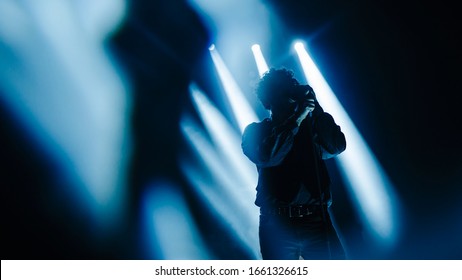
[395, 66]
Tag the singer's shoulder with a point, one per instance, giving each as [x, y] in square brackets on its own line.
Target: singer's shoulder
[258, 126]
[264, 122]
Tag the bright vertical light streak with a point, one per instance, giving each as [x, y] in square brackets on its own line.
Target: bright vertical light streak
[220, 191]
[231, 191]
[220, 168]
[259, 60]
[227, 141]
[242, 110]
[368, 182]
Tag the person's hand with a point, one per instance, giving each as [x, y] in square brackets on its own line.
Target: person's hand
[303, 109]
[309, 102]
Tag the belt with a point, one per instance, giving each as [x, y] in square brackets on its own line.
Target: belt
[293, 211]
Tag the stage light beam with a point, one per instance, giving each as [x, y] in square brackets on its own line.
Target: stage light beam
[225, 139]
[262, 66]
[365, 177]
[242, 110]
[229, 188]
[216, 185]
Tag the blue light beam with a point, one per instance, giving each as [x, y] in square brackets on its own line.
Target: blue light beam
[220, 191]
[242, 110]
[262, 66]
[366, 179]
[225, 139]
[230, 189]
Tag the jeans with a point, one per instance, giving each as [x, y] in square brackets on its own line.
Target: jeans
[309, 237]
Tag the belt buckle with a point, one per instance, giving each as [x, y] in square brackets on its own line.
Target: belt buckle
[299, 212]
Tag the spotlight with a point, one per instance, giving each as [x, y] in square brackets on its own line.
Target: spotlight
[365, 177]
[242, 110]
[222, 176]
[259, 59]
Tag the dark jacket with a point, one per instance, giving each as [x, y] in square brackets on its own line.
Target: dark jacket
[290, 158]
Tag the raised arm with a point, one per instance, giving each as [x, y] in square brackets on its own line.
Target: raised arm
[328, 135]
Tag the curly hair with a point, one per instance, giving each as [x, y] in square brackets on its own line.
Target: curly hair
[275, 83]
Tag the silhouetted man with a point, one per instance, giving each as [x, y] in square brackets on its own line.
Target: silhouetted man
[288, 149]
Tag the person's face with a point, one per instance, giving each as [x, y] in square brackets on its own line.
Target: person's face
[282, 106]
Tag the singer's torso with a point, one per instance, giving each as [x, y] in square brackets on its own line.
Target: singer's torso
[299, 177]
